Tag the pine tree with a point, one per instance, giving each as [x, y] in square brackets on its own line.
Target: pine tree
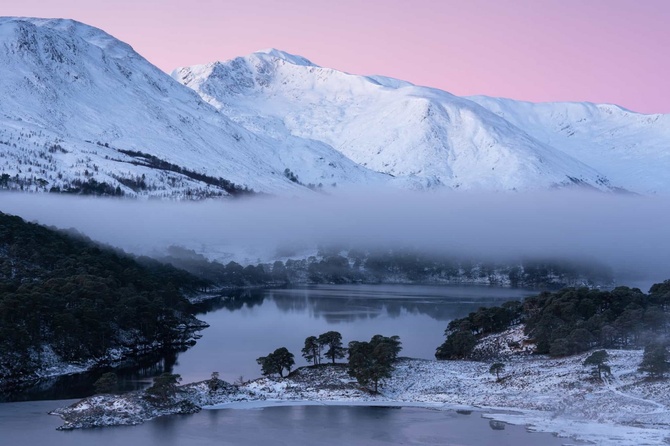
[276, 362]
[655, 360]
[496, 369]
[312, 350]
[164, 387]
[372, 362]
[107, 383]
[598, 360]
[332, 340]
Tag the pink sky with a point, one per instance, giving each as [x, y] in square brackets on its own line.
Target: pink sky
[613, 51]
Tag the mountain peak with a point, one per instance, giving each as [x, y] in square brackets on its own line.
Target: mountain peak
[72, 29]
[283, 55]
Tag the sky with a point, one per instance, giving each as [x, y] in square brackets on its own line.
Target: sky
[604, 51]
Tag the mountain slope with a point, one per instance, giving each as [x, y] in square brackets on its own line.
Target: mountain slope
[84, 113]
[631, 149]
[386, 125]
[79, 105]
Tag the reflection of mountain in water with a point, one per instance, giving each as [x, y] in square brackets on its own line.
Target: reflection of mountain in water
[333, 310]
[349, 303]
[341, 303]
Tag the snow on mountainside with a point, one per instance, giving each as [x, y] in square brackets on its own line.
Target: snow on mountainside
[384, 124]
[82, 112]
[631, 149]
[80, 108]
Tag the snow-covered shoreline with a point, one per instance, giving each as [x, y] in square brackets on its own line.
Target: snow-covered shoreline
[548, 395]
[53, 366]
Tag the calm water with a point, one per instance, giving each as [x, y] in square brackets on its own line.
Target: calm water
[253, 323]
[27, 424]
[270, 319]
[246, 326]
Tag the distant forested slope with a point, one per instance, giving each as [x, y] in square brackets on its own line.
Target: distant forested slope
[569, 321]
[64, 298]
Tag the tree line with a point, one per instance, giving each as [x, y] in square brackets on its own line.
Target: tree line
[407, 266]
[570, 321]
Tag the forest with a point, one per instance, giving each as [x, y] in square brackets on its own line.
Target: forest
[336, 266]
[569, 321]
[62, 294]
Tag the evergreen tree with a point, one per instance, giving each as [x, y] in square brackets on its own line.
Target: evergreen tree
[333, 341]
[458, 345]
[164, 388]
[312, 350]
[107, 383]
[598, 360]
[214, 383]
[372, 362]
[496, 369]
[276, 362]
[655, 360]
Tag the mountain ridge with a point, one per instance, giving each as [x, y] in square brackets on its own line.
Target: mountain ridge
[72, 113]
[316, 103]
[82, 109]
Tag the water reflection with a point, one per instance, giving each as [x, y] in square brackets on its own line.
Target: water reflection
[247, 324]
[347, 303]
[134, 375]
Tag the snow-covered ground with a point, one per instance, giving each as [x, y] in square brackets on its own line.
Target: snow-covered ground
[553, 395]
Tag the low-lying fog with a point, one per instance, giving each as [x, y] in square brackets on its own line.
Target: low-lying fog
[629, 233]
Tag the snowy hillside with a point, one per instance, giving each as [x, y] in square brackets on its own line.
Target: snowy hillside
[81, 109]
[82, 112]
[631, 149]
[384, 124]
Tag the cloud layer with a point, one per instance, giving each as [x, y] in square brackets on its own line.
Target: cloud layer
[628, 233]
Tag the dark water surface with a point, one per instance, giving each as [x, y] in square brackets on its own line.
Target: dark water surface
[27, 424]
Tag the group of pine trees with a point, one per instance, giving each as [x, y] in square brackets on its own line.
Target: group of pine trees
[330, 341]
[369, 362]
[655, 362]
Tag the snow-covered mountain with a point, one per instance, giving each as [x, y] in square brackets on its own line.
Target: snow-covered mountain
[79, 108]
[385, 124]
[631, 149]
[81, 111]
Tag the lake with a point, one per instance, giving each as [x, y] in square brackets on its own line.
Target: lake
[255, 324]
[252, 323]
[27, 423]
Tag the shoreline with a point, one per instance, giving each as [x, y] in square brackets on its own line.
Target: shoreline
[54, 368]
[545, 395]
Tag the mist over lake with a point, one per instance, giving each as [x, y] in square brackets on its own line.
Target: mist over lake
[625, 232]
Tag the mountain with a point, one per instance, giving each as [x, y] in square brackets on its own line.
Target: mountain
[631, 149]
[384, 124]
[81, 111]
